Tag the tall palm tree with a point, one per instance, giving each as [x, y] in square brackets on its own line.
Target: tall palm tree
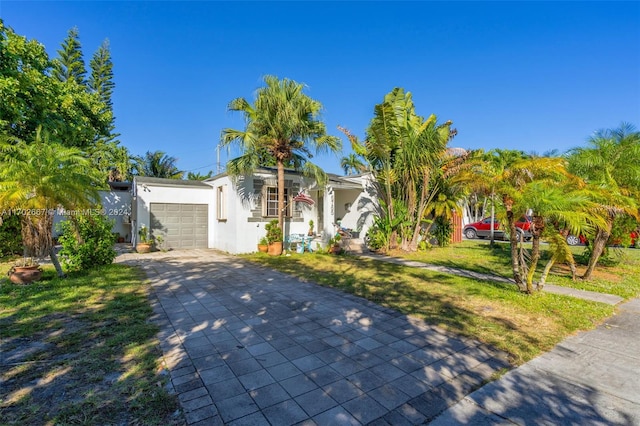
[284, 125]
[610, 163]
[39, 177]
[158, 164]
[352, 164]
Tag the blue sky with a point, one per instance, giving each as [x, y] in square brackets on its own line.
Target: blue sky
[534, 76]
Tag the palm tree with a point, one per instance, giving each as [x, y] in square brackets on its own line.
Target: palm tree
[405, 153]
[199, 176]
[157, 164]
[352, 164]
[40, 177]
[610, 162]
[284, 125]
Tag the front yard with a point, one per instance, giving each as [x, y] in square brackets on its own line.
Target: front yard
[496, 313]
[81, 350]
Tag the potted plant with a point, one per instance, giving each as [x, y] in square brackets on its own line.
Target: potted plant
[25, 271]
[274, 238]
[144, 244]
[334, 244]
[310, 233]
[263, 245]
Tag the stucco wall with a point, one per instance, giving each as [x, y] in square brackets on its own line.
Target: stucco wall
[147, 193]
[240, 231]
[116, 205]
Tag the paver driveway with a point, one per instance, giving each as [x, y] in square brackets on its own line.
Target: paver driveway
[248, 345]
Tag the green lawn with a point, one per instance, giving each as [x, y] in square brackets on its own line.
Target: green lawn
[91, 353]
[496, 313]
[619, 278]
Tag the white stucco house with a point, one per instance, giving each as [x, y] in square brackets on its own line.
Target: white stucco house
[229, 213]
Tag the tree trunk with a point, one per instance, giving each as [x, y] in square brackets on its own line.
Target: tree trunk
[56, 264]
[281, 200]
[493, 218]
[535, 256]
[515, 263]
[599, 244]
[536, 231]
[545, 273]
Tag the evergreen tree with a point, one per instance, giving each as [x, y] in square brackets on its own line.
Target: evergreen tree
[70, 65]
[101, 78]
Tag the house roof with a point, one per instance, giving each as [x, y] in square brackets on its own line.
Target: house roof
[170, 182]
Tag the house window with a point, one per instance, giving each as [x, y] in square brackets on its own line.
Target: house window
[221, 197]
[270, 205]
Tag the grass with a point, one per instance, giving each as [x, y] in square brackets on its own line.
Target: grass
[522, 325]
[81, 350]
[618, 274]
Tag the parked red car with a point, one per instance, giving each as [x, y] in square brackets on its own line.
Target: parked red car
[573, 240]
[482, 229]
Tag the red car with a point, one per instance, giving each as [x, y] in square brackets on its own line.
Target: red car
[482, 229]
[573, 240]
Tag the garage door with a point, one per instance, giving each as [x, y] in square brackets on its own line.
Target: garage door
[183, 226]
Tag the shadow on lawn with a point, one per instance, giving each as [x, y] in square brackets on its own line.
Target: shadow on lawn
[80, 350]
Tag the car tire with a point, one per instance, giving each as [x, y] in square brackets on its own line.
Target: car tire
[470, 233]
[572, 240]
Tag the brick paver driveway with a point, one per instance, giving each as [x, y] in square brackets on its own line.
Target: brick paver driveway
[247, 345]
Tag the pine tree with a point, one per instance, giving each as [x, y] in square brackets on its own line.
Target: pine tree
[101, 78]
[70, 65]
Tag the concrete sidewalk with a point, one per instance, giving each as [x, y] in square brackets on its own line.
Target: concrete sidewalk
[592, 378]
[246, 345]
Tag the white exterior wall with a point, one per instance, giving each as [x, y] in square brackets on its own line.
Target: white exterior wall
[232, 234]
[147, 193]
[116, 205]
[240, 232]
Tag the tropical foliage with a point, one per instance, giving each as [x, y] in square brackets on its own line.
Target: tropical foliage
[282, 125]
[39, 177]
[609, 163]
[414, 172]
[87, 242]
[157, 164]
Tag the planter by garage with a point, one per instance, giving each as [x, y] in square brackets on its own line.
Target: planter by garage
[143, 248]
[25, 274]
[275, 249]
[263, 248]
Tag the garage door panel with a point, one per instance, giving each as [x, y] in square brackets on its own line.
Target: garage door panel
[181, 225]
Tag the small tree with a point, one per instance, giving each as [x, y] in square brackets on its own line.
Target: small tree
[38, 178]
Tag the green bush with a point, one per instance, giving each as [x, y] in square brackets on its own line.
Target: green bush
[87, 241]
[10, 235]
[442, 231]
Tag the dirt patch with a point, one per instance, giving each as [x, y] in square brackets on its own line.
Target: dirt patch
[52, 374]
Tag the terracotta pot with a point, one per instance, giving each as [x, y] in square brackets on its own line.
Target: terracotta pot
[335, 249]
[25, 274]
[263, 248]
[143, 248]
[275, 249]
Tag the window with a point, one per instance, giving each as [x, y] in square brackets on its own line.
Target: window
[221, 202]
[270, 204]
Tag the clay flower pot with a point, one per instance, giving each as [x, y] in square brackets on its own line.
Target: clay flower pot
[263, 248]
[25, 274]
[275, 249]
[143, 247]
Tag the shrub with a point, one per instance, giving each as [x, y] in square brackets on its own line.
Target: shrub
[274, 233]
[442, 231]
[87, 241]
[10, 235]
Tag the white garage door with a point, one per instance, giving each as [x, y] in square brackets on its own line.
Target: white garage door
[183, 226]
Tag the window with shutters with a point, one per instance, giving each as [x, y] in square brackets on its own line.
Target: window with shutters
[270, 202]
